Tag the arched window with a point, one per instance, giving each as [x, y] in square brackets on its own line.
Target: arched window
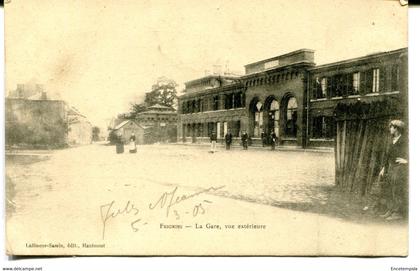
[274, 117]
[258, 124]
[291, 117]
[274, 105]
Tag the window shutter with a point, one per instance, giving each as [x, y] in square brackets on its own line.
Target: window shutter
[341, 84]
[314, 88]
[362, 86]
[334, 86]
[329, 86]
[394, 77]
[348, 84]
[369, 81]
[382, 80]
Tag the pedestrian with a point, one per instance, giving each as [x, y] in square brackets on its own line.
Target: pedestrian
[213, 140]
[119, 143]
[228, 139]
[395, 173]
[244, 139]
[263, 139]
[273, 140]
[133, 147]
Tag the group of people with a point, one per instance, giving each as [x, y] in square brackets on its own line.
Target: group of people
[393, 201]
[244, 139]
[271, 139]
[228, 140]
[119, 144]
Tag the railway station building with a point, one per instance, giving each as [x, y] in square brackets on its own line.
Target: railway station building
[290, 95]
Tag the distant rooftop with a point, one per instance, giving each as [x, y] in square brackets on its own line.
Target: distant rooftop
[210, 77]
[362, 58]
[210, 82]
[125, 122]
[160, 107]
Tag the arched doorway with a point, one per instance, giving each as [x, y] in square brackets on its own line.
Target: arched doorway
[256, 121]
[273, 117]
[291, 115]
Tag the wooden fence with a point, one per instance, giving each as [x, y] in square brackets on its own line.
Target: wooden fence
[361, 142]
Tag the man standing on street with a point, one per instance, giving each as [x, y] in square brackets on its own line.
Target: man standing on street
[273, 139]
[119, 143]
[228, 139]
[395, 173]
[244, 139]
[263, 138]
[213, 140]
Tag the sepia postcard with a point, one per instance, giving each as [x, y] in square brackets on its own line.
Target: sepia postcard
[212, 128]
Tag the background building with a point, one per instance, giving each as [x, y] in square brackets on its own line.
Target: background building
[161, 121]
[34, 120]
[157, 123]
[79, 128]
[127, 127]
[36, 123]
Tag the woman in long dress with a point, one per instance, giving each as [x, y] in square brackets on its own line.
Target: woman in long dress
[133, 147]
[119, 143]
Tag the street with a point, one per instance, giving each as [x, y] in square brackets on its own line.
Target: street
[93, 201]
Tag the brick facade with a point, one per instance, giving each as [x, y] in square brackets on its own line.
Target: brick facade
[371, 78]
[289, 95]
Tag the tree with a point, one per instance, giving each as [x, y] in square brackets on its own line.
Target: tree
[95, 133]
[112, 137]
[163, 92]
[137, 108]
[152, 98]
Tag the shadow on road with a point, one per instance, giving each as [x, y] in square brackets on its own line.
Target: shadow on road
[337, 204]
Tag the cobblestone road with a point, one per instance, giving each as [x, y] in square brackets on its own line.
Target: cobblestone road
[267, 177]
[58, 196]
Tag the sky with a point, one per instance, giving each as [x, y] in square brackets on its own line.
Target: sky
[102, 56]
